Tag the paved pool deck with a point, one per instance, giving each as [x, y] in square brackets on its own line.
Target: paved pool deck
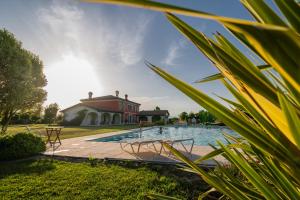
[83, 147]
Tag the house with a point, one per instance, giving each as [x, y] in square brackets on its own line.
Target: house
[110, 110]
[104, 110]
[154, 115]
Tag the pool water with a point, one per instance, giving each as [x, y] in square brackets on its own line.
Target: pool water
[201, 135]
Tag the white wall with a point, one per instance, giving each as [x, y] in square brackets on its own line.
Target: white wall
[72, 112]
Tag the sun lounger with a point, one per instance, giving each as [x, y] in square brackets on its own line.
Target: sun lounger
[139, 143]
[142, 142]
[180, 141]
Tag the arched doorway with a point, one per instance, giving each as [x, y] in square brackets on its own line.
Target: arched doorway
[92, 118]
[116, 119]
[105, 118]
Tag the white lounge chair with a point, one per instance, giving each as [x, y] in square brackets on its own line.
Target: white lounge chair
[139, 143]
[180, 141]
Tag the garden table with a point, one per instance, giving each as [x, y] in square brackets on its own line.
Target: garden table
[56, 130]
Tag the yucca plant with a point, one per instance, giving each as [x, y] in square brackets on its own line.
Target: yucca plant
[266, 112]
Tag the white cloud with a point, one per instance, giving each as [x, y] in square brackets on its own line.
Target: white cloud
[60, 26]
[174, 52]
[115, 42]
[62, 17]
[176, 48]
[131, 42]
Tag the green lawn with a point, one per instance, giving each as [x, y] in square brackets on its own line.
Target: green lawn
[46, 179]
[69, 131]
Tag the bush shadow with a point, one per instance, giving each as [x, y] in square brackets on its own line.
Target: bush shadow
[28, 167]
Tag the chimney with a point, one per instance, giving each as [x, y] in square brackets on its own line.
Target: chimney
[117, 93]
[90, 95]
[126, 97]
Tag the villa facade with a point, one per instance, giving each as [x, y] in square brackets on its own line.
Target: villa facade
[110, 110]
[104, 110]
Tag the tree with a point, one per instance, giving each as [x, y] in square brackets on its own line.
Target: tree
[183, 116]
[157, 108]
[31, 116]
[204, 116]
[173, 120]
[191, 115]
[21, 79]
[51, 113]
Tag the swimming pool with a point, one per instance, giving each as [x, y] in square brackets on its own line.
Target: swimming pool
[201, 135]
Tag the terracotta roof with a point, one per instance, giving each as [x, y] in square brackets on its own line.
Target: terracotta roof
[91, 106]
[108, 97]
[154, 112]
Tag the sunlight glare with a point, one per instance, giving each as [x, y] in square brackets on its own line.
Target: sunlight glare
[70, 79]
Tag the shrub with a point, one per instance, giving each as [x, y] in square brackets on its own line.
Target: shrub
[20, 145]
[173, 120]
[156, 118]
[159, 123]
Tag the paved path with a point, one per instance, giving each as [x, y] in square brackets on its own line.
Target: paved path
[83, 147]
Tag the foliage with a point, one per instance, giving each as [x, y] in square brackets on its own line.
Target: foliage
[191, 115]
[204, 116]
[46, 179]
[183, 116]
[31, 116]
[51, 113]
[157, 108]
[20, 145]
[59, 118]
[156, 118]
[268, 159]
[77, 120]
[93, 161]
[26, 118]
[159, 122]
[173, 120]
[21, 79]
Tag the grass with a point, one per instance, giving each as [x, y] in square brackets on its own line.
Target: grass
[70, 131]
[46, 179]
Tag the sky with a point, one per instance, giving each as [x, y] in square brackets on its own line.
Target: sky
[102, 48]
